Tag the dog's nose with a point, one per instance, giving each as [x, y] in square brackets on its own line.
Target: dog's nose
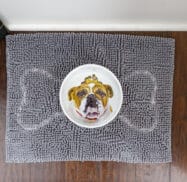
[91, 100]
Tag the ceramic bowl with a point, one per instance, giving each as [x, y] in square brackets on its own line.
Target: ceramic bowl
[91, 96]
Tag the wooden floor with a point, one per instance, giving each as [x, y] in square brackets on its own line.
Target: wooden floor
[109, 171]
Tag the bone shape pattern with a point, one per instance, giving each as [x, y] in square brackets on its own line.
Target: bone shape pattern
[41, 92]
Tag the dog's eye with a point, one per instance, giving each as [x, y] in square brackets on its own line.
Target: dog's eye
[81, 93]
[100, 92]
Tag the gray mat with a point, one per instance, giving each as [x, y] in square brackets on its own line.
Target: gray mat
[38, 131]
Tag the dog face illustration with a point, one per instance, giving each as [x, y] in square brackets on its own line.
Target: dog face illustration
[91, 97]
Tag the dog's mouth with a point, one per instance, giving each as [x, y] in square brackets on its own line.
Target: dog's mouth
[92, 116]
[92, 113]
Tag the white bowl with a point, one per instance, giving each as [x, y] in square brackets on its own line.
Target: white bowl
[74, 79]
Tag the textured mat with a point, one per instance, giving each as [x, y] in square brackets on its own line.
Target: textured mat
[38, 131]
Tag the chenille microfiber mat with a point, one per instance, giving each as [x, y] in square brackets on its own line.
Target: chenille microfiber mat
[38, 131]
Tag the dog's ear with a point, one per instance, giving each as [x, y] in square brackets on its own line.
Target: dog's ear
[71, 93]
[109, 90]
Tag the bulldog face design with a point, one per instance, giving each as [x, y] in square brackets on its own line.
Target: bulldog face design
[91, 98]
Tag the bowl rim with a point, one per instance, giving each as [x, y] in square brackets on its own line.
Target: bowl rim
[120, 92]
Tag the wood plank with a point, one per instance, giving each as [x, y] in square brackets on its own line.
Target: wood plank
[153, 172]
[99, 172]
[110, 171]
[179, 164]
[82, 171]
[71, 171]
[117, 172]
[47, 172]
[127, 172]
[2, 98]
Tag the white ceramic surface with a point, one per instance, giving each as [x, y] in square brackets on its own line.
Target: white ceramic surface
[74, 78]
[107, 15]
